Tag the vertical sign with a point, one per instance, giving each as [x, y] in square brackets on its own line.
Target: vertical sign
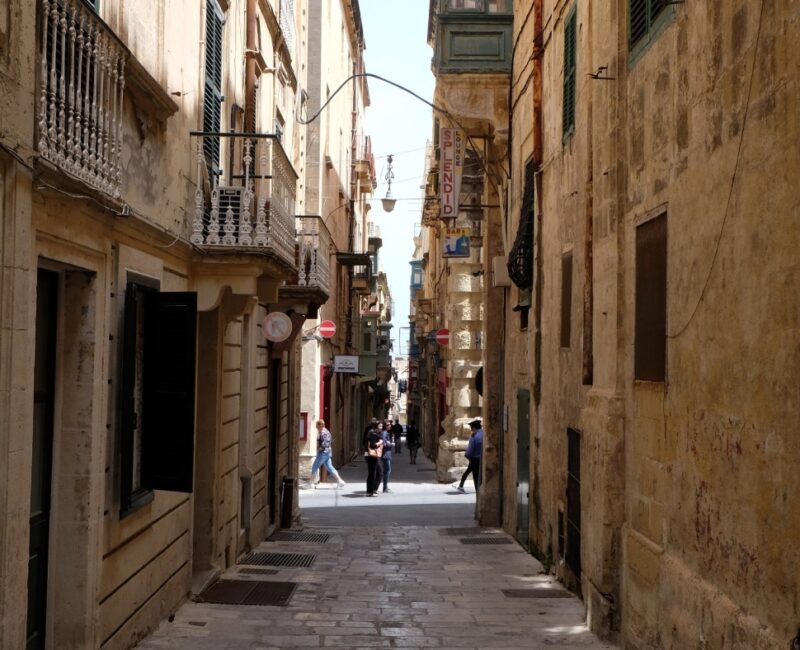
[451, 143]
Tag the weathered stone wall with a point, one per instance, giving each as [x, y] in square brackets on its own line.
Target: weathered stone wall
[709, 551]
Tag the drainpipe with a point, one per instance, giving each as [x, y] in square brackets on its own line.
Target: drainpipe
[250, 68]
[538, 54]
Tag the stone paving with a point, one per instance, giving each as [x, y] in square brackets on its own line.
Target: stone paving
[389, 577]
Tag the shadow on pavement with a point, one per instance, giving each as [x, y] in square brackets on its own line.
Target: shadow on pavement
[387, 514]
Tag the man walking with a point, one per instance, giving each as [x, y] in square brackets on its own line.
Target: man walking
[473, 454]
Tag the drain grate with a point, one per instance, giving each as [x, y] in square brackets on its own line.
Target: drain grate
[472, 530]
[426, 469]
[537, 593]
[248, 592]
[280, 559]
[258, 572]
[288, 536]
[485, 540]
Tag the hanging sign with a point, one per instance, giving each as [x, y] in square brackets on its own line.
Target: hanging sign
[345, 363]
[451, 161]
[456, 242]
[276, 327]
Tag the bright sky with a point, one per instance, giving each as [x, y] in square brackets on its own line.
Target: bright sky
[395, 34]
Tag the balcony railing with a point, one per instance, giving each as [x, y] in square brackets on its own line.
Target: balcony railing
[251, 209]
[313, 251]
[81, 85]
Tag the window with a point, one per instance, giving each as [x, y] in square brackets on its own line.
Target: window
[520, 258]
[643, 20]
[157, 398]
[279, 130]
[570, 39]
[467, 5]
[650, 350]
[212, 98]
[566, 300]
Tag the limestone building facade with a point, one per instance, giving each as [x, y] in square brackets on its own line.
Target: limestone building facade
[155, 280]
[650, 316]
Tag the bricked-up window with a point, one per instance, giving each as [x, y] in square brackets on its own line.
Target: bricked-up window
[157, 394]
[650, 347]
[570, 68]
[566, 300]
[641, 20]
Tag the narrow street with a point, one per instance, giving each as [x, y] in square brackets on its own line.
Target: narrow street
[408, 569]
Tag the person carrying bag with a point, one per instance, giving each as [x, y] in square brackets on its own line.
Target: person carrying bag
[374, 451]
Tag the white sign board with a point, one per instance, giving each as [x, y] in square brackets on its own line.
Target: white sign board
[345, 363]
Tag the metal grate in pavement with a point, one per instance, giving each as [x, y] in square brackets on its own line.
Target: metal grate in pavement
[537, 593]
[486, 539]
[280, 559]
[289, 536]
[248, 592]
[258, 572]
[426, 469]
[472, 530]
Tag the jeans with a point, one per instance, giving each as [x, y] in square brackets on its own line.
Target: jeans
[324, 458]
[473, 468]
[387, 472]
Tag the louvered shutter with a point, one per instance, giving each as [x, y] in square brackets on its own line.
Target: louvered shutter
[570, 64]
[168, 401]
[642, 14]
[212, 98]
[520, 258]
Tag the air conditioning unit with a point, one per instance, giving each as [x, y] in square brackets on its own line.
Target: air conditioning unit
[500, 272]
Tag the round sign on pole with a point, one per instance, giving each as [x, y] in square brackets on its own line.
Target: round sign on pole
[327, 329]
[443, 336]
[276, 327]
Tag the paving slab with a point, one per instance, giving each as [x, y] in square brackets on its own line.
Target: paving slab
[388, 577]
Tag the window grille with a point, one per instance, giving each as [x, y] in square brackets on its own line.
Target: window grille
[520, 259]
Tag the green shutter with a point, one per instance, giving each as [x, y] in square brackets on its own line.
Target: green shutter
[212, 99]
[570, 68]
[642, 14]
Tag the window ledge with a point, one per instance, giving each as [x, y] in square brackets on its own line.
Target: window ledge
[147, 93]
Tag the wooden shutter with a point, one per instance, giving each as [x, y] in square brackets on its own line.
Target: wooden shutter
[642, 14]
[168, 403]
[212, 98]
[566, 300]
[570, 66]
[650, 352]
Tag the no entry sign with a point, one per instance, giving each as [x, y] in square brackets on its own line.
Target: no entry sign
[327, 329]
[443, 336]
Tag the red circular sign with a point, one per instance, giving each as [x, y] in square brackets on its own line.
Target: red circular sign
[327, 329]
[443, 336]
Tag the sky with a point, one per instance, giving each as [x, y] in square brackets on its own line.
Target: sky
[395, 34]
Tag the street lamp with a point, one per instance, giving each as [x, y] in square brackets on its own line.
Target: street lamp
[388, 201]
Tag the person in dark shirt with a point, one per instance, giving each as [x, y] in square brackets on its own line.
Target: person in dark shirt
[374, 450]
[412, 442]
[397, 434]
[386, 458]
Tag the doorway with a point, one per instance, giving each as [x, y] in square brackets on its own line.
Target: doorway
[523, 463]
[42, 465]
[573, 550]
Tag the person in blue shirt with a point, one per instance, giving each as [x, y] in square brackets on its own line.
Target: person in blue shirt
[473, 454]
[386, 459]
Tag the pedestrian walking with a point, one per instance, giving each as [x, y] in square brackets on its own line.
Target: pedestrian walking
[324, 454]
[473, 454]
[386, 458]
[412, 442]
[372, 454]
[397, 436]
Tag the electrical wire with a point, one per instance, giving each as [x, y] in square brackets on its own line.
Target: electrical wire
[733, 179]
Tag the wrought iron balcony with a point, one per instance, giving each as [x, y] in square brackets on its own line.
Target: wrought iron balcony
[249, 210]
[313, 250]
[80, 92]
